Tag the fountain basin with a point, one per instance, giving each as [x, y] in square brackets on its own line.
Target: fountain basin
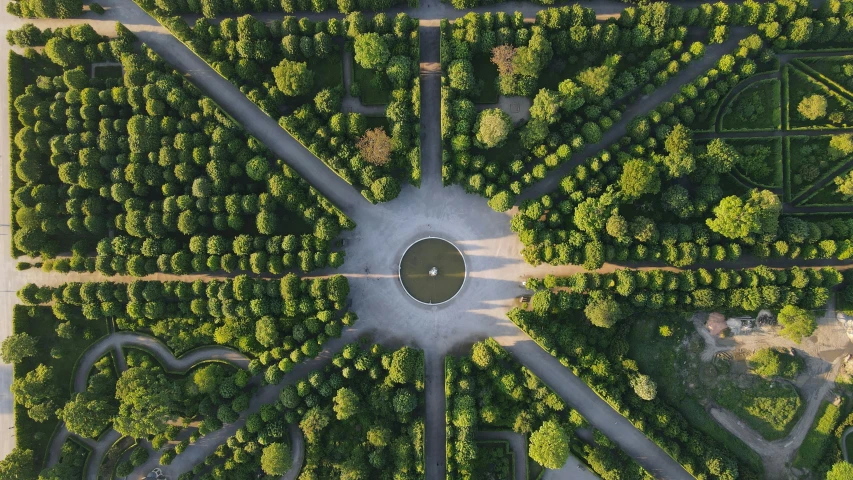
[432, 271]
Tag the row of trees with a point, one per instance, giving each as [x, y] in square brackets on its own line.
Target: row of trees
[151, 160]
[563, 120]
[487, 390]
[290, 66]
[214, 8]
[276, 322]
[610, 297]
[361, 417]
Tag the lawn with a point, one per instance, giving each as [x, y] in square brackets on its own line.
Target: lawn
[770, 408]
[370, 92]
[755, 108]
[801, 85]
[374, 122]
[486, 74]
[328, 72]
[819, 436]
[42, 324]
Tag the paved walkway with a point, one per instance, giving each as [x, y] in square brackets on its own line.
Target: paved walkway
[492, 251]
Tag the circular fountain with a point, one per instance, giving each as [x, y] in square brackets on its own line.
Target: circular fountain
[432, 271]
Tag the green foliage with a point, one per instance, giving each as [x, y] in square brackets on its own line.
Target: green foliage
[819, 437]
[797, 323]
[840, 471]
[371, 51]
[771, 362]
[17, 347]
[293, 78]
[549, 445]
[493, 127]
[737, 219]
[771, 409]
[812, 107]
[275, 459]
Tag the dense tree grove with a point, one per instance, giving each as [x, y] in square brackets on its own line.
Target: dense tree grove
[361, 417]
[142, 174]
[564, 117]
[603, 212]
[735, 291]
[294, 66]
[277, 322]
[488, 390]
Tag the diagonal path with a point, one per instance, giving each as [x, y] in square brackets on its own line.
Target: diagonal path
[639, 108]
[577, 394]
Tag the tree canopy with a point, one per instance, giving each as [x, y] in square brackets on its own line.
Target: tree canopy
[549, 445]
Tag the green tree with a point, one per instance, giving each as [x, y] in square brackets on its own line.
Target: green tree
[841, 145]
[844, 184]
[493, 127]
[385, 189]
[840, 471]
[639, 178]
[461, 75]
[720, 157]
[502, 201]
[546, 106]
[796, 322]
[644, 387]
[347, 403]
[293, 78]
[146, 398]
[18, 465]
[549, 445]
[812, 107]
[406, 366]
[371, 51]
[86, 415]
[17, 347]
[37, 392]
[737, 219]
[603, 312]
[275, 459]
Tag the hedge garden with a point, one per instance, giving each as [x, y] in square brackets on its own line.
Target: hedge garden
[141, 174]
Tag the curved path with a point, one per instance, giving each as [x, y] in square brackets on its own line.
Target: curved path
[115, 342]
[297, 453]
[847, 431]
[721, 111]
